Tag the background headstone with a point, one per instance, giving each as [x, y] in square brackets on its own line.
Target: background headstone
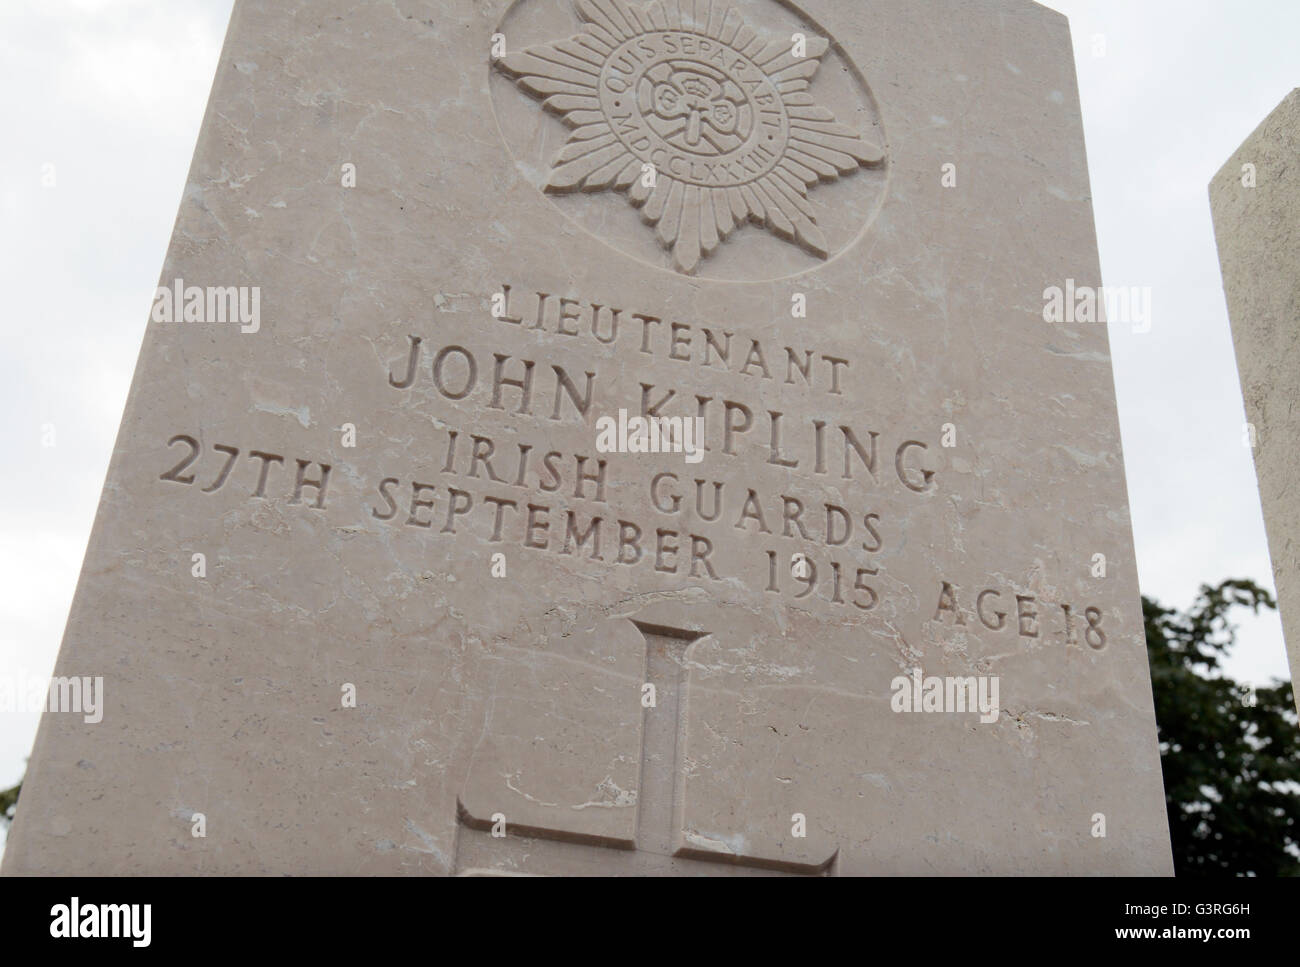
[1256, 202]
[429, 604]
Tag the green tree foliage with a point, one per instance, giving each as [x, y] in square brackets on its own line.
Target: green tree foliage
[1230, 755]
[8, 803]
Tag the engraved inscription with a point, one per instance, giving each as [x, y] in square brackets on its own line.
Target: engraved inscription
[517, 487]
[705, 113]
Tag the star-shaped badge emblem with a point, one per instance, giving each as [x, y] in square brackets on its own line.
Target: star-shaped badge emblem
[704, 124]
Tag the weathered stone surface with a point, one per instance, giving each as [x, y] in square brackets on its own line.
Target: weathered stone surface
[907, 468]
[1256, 202]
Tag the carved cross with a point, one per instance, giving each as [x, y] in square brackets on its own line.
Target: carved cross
[660, 802]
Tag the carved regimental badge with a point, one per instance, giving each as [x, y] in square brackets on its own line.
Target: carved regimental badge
[704, 124]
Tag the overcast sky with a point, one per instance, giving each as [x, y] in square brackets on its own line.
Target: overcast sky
[111, 94]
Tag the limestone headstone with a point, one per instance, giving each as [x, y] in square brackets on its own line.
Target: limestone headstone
[1256, 202]
[450, 616]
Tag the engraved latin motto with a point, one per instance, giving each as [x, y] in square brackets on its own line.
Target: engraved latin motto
[719, 125]
[705, 122]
